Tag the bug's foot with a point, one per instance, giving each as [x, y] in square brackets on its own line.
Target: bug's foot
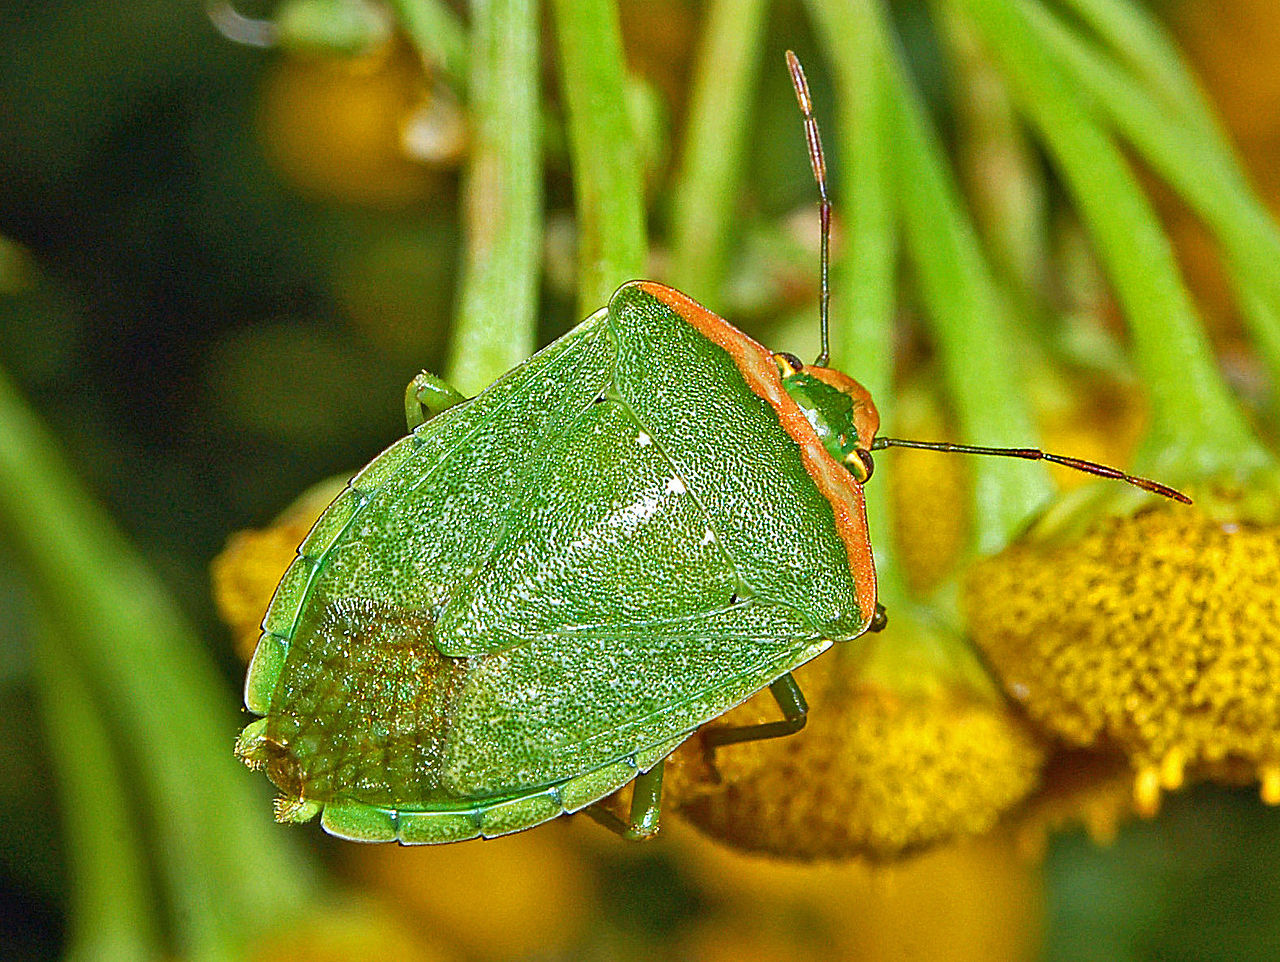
[641, 829]
[251, 745]
[294, 810]
[640, 834]
[426, 396]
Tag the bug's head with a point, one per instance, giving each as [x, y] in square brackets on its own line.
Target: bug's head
[839, 408]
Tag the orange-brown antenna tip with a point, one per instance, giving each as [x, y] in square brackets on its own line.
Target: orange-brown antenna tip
[800, 82]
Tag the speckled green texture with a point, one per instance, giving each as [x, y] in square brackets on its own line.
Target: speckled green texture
[432, 828]
[581, 791]
[378, 471]
[503, 818]
[548, 585]
[264, 672]
[358, 822]
[331, 524]
[646, 758]
[290, 595]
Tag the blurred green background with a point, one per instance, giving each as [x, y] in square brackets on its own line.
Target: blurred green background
[219, 266]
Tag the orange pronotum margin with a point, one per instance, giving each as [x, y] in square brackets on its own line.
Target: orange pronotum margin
[836, 484]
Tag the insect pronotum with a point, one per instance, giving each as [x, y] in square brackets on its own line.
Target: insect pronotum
[540, 592]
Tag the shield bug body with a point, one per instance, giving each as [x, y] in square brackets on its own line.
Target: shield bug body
[541, 591]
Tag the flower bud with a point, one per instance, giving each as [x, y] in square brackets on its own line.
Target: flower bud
[1158, 634]
[908, 744]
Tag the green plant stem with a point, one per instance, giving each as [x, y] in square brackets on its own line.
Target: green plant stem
[229, 872]
[112, 908]
[1198, 164]
[974, 338]
[706, 188]
[1137, 38]
[496, 324]
[1003, 180]
[1196, 427]
[606, 170]
[864, 275]
[436, 32]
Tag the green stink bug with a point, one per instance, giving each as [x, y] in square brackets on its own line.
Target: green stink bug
[541, 591]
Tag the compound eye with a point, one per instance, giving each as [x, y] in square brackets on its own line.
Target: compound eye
[860, 465]
[788, 364]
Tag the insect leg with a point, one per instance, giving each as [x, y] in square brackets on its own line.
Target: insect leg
[426, 396]
[646, 808]
[795, 711]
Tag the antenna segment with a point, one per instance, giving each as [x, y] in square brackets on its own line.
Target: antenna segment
[819, 165]
[1035, 454]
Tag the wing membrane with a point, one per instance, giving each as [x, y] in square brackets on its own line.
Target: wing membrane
[559, 705]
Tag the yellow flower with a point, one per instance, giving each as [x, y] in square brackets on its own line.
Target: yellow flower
[535, 891]
[1157, 633]
[1078, 787]
[978, 899]
[351, 929]
[372, 130]
[931, 497]
[908, 744]
[247, 571]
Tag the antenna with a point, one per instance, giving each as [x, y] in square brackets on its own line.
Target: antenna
[1035, 454]
[819, 165]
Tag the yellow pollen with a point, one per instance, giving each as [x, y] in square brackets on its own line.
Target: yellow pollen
[247, 571]
[1172, 769]
[1146, 791]
[1158, 634]
[877, 772]
[930, 500]
[1270, 776]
